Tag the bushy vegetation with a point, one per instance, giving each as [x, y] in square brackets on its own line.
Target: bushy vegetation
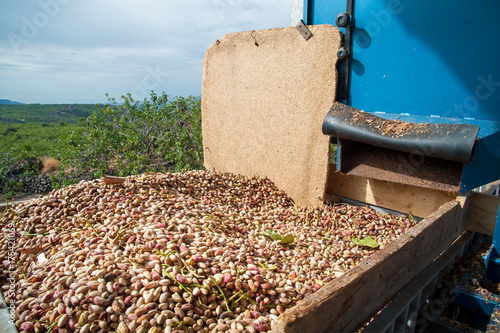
[155, 135]
[14, 168]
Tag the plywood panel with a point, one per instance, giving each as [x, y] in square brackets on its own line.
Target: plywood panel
[264, 96]
[483, 214]
[419, 201]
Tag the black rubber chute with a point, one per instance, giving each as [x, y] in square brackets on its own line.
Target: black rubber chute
[453, 142]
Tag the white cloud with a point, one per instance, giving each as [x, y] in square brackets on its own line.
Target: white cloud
[76, 51]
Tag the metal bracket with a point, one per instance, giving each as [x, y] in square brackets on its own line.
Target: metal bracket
[346, 80]
[303, 30]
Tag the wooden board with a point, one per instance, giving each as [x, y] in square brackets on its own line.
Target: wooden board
[419, 201]
[349, 301]
[264, 96]
[483, 213]
[421, 283]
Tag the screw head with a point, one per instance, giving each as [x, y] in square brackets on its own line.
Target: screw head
[342, 53]
[342, 20]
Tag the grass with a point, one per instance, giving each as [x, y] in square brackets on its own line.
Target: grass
[35, 129]
[50, 165]
[19, 141]
[39, 138]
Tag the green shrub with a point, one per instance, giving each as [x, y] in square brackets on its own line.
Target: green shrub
[43, 140]
[156, 135]
[11, 182]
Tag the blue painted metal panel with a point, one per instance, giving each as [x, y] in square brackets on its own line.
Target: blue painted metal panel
[485, 167]
[422, 57]
[492, 259]
[322, 11]
[427, 57]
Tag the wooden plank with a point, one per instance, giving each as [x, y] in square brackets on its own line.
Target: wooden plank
[349, 301]
[483, 213]
[419, 201]
[265, 94]
[380, 322]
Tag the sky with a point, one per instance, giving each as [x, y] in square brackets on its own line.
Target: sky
[76, 51]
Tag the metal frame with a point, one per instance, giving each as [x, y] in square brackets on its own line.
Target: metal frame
[346, 75]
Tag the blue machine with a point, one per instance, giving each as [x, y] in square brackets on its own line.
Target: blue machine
[424, 62]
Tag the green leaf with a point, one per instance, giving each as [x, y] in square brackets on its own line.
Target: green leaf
[275, 236]
[288, 239]
[367, 241]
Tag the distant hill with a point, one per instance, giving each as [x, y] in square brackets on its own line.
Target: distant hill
[44, 113]
[9, 102]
